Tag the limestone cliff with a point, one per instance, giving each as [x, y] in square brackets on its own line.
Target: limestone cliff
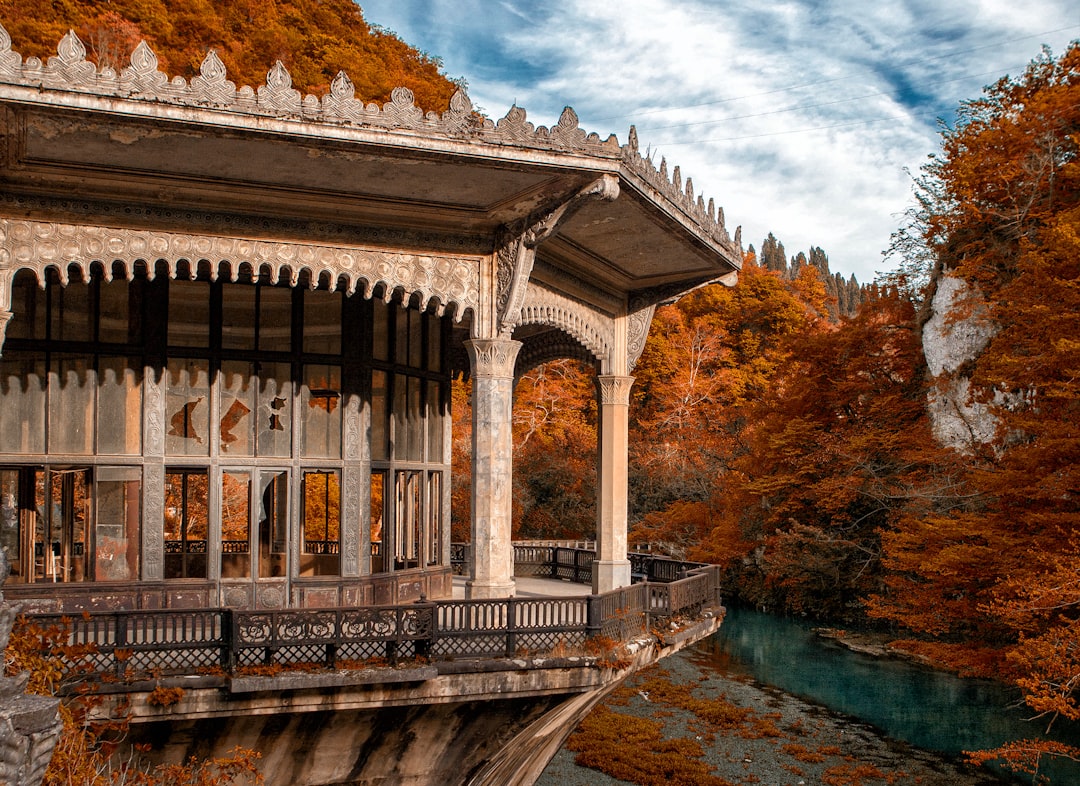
[952, 337]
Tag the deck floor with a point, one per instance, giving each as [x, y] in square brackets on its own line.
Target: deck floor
[533, 587]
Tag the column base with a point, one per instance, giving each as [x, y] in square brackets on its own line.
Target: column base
[475, 590]
[608, 575]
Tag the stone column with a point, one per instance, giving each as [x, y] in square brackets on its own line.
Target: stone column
[492, 362]
[611, 569]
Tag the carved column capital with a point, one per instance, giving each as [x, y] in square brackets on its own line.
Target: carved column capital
[492, 357]
[614, 390]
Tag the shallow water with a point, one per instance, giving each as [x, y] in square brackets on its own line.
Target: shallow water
[926, 708]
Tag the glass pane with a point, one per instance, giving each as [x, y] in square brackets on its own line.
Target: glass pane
[434, 358]
[235, 525]
[27, 307]
[378, 482]
[22, 417]
[189, 313]
[238, 316]
[415, 450]
[60, 541]
[237, 427]
[400, 437]
[273, 524]
[416, 339]
[187, 403]
[407, 533]
[401, 336]
[118, 322]
[186, 523]
[435, 425]
[275, 319]
[320, 403]
[10, 514]
[378, 416]
[72, 381]
[321, 548]
[434, 510]
[119, 500]
[275, 409]
[71, 317]
[380, 330]
[322, 322]
[119, 408]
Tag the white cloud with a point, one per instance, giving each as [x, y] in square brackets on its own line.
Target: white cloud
[799, 117]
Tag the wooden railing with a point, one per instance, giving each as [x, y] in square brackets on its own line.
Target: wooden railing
[206, 640]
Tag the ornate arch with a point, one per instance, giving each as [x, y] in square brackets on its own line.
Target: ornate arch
[449, 283]
[594, 332]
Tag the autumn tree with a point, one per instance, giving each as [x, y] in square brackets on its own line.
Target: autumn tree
[1000, 209]
[315, 39]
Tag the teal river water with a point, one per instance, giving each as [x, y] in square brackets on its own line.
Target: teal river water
[926, 708]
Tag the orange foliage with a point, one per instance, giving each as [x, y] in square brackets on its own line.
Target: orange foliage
[315, 39]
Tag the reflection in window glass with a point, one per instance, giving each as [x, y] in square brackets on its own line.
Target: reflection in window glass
[320, 405]
[434, 523]
[235, 524]
[72, 382]
[186, 523]
[187, 408]
[321, 546]
[118, 498]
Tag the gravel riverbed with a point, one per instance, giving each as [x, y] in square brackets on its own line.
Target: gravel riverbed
[813, 745]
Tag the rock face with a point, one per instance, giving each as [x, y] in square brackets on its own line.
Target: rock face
[29, 725]
[950, 339]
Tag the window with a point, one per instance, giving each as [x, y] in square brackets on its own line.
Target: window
[320, 554]
[186, 523]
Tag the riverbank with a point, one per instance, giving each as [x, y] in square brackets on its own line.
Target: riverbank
[761, 736]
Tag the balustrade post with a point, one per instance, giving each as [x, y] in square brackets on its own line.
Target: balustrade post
[511, 623]
[228, 641]
[119, 641]
[595, 622]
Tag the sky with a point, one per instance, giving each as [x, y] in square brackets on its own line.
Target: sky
[805, 118]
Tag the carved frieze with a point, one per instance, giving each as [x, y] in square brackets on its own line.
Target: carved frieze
[447, 281]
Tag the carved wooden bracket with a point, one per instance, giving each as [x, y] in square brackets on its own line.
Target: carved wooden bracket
[517, 250]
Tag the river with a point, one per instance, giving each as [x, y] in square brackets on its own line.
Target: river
[900, 700]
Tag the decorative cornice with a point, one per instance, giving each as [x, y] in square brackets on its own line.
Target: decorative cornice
[448, 281]
[210, 90]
